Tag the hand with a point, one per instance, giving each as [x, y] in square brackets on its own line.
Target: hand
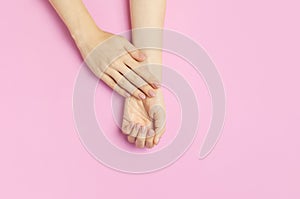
[144, 121]
[118, 63]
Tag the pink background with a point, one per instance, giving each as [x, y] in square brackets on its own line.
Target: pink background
[255, 46]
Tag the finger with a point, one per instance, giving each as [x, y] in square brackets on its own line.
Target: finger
[141, 137]
[159, 135]
[159, 119]
[136, 80]
[143, 71]
[126, 127]
[125, 84]
[112, 84]
[131, 138]
[150, 138]
[135, 53]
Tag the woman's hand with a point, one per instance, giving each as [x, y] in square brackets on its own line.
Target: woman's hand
[112, 58]
[118, 63]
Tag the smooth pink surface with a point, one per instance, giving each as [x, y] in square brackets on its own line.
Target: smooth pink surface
[255, 46]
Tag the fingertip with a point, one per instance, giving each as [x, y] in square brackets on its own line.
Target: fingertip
[151, 93]
[142, 96]
[155, 85]
[156, 140]
[150, 138]
[127, 128]
[150, 133]
[131, 139]
[142, 56]
[149, 145]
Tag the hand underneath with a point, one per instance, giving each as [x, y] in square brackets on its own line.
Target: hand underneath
[144, 120]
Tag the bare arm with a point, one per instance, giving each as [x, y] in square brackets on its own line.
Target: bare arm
[148, 14]
[147, 19]
[80, 24]
[115, 61]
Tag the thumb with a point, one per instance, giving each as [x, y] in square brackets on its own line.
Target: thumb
[159, 120]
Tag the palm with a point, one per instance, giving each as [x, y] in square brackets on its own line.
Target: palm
[149, 113]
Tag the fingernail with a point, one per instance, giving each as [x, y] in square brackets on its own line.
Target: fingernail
[151, 93]
[127, 95]
[142, 56]
[148, 144]
[151, 132]
[156, 85]
[142, 96]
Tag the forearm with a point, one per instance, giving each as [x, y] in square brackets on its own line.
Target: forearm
[80, 24]
[148, 14]
[145, 13]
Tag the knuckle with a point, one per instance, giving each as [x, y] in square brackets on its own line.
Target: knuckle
[116, 64]
[134, 78]
[126, 72]
[127, 58]
[122, 81]
[145, 88]
[109, 70]
[132, 63]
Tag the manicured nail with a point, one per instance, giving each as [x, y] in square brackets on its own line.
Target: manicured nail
[142, 96]
[156, 85]
[142, 56]
[148, 144]
[151, 93]
[127, 95]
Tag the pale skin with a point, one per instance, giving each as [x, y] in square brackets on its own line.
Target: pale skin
[144, 110]
[147, 123]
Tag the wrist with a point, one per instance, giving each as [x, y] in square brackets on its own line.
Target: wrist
[154, 62]
[87, 37]
[154, 56]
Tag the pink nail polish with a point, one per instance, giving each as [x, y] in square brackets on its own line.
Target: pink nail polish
[151, 93]
[142, 96]
[142, 56]
[156, 85]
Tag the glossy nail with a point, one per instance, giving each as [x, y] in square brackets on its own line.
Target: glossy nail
[142, 56]
[142, 96]
[151, 93]
[156, 85]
